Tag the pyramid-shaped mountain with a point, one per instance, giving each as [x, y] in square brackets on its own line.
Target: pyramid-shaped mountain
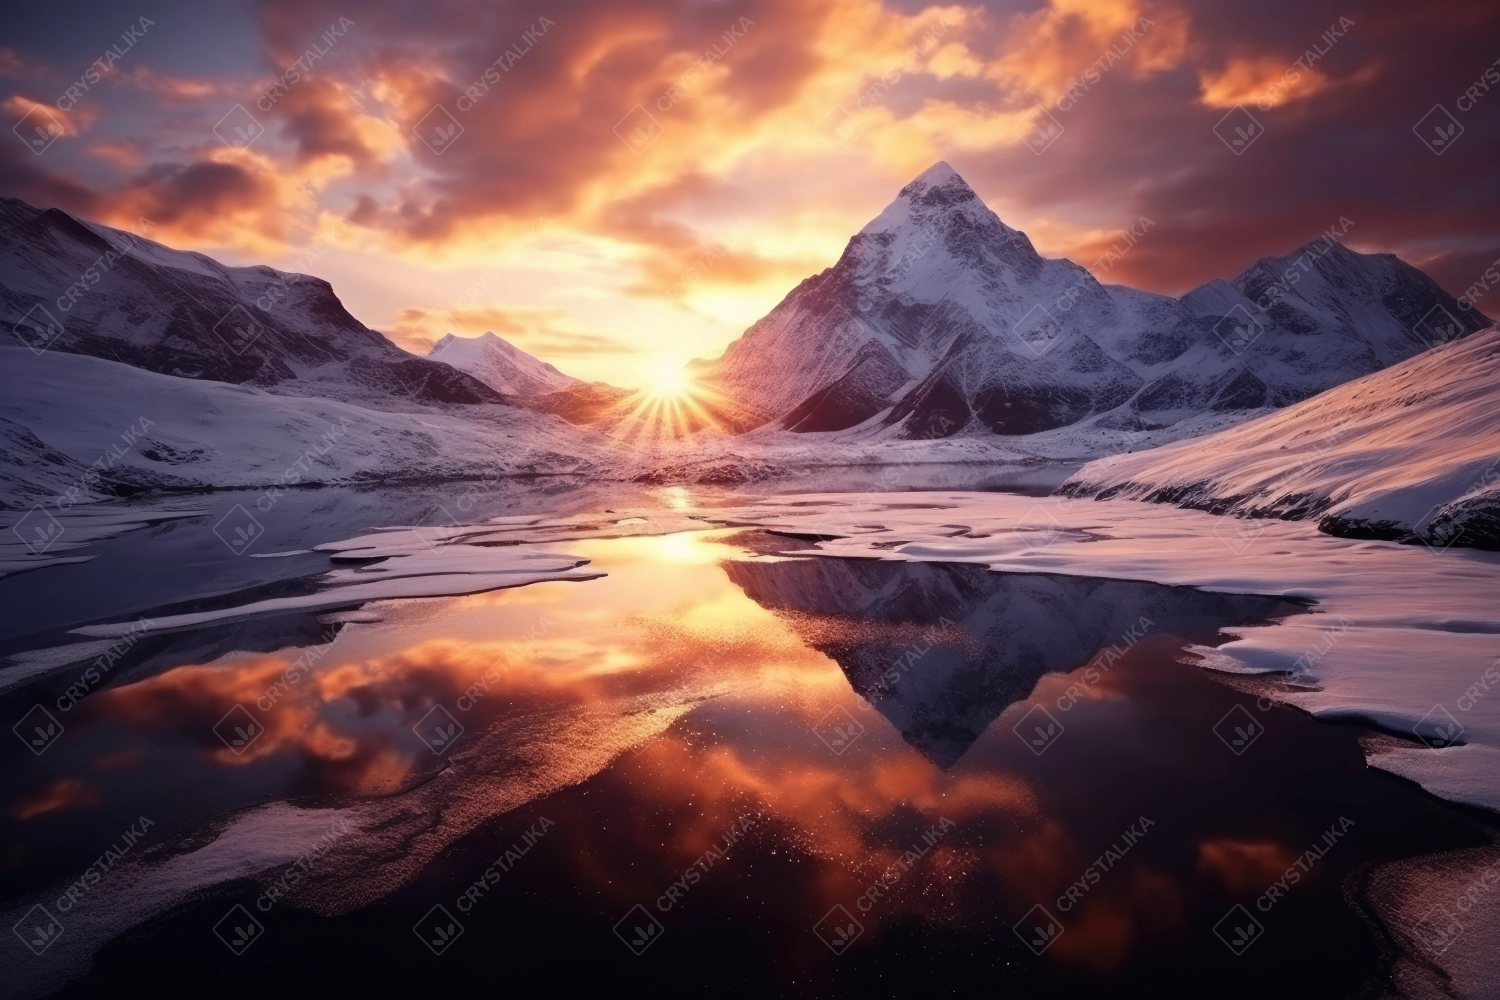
[940, 319]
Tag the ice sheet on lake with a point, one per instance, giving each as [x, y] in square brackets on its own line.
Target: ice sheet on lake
[42, 535]
[1402, 636]
[145, 886]
[412, 567]
[405, 561]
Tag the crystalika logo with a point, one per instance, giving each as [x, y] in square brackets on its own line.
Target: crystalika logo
[638, 129]
[1038, 129]
[838, 729]
[1438, 327]
[1238, 729]
[238, 729]
[1038, 729]
[438, 130]
[1239, 129]
[238, 129]
[438, 729]
[1438, 129]
[1239, 329]
[639, 929]
[1438, 729]
[37, 530]
[38, 929]
[238, 529]
[838, 129]
[37, 329]
[438, 929]
[38, 729]
[39, 129]
[838, 929]
[238, 929]
[1038, 929]
[238, 329]
[1238, 929]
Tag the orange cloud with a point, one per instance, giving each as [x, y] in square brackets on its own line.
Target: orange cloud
[171, 89]
[1073, 43]
[1263, 81]
[327, 119]
[122, 153]
[231, 198]
[40, 124]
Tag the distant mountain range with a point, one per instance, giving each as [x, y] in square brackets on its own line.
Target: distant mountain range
[940, 319]
[528, 381]
[500, 365]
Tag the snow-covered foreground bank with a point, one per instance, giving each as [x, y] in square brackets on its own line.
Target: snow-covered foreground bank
[1411, 452]
[1403, 636]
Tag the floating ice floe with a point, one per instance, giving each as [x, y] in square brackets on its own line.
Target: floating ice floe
[43, 535]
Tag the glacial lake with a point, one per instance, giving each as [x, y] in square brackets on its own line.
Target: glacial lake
[722, 766]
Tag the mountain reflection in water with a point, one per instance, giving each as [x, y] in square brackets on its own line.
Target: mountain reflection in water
[941, 649]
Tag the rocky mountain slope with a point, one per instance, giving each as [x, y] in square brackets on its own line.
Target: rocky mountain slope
[530, 382]
[81, 288]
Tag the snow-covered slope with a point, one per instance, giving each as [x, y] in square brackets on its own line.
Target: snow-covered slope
[82, 288]
[74, 420]
[948, 319]
[500, 365]
[30, 471]
[1409, 453]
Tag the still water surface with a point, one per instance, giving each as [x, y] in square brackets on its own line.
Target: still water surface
[727, 766]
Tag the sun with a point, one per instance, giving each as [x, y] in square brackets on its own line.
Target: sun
[667, 378]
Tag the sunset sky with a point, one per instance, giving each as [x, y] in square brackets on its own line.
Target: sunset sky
[776, 129]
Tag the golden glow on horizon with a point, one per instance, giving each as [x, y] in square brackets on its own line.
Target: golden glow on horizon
[675, 408]
[667, 378]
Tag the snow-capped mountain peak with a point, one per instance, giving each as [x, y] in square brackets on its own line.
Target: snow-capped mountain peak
[931, 200]
[500, 365]
[939, 318]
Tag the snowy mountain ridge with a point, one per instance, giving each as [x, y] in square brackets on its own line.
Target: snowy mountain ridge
[940, 319]
[82, 288]
[500, 365]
